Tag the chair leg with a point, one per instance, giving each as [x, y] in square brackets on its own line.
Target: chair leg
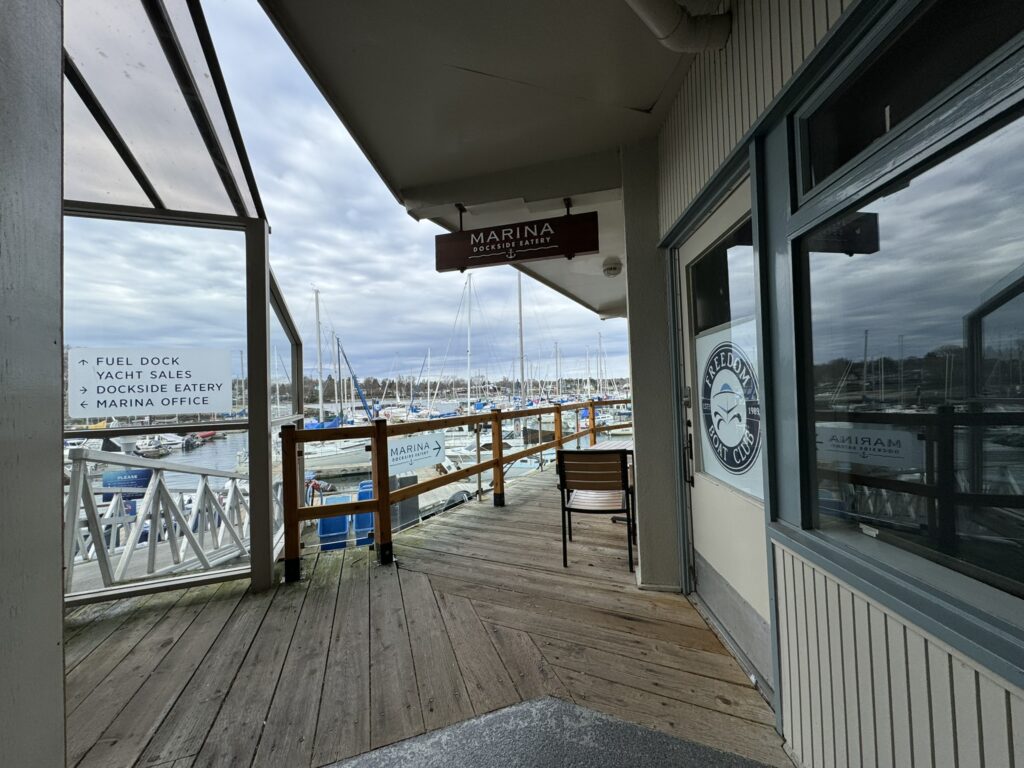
[565, 546]
[568, 515]
[629, 536]
[632, 501]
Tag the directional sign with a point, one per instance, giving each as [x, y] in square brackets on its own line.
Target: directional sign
[148, 382]
[407, 453]
[844, 444]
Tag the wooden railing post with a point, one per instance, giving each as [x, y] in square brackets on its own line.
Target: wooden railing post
[497, 454]
[381, 493]
[290, 502]
[558, 425]
[592, 423]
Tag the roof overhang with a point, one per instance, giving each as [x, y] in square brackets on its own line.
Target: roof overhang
[505, 108]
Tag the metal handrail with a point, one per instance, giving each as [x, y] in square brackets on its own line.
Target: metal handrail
[160, 429]
[118, 460]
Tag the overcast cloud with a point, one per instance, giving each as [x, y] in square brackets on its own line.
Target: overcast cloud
[336, 226]
[946, 240]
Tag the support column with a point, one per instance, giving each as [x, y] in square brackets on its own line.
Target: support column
[31, 394]
[257, 306]
[651, 337]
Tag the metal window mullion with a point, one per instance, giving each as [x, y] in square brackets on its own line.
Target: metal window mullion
[206, 41]
[261, 505]
[99, 114]
[158, 17]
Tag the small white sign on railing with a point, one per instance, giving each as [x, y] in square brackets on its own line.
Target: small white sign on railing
[148, 382]
[415, 451]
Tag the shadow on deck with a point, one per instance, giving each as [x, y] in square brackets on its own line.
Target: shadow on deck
[479, 614]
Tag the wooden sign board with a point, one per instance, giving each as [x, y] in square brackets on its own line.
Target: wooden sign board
[567, 236]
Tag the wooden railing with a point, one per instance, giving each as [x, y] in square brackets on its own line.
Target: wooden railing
[378, 432]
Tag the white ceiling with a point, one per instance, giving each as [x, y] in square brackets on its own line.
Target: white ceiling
[506, 107]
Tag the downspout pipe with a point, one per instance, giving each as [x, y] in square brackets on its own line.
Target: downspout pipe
[680, 31]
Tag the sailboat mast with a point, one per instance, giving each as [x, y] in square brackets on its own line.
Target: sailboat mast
[319, 356]
[469, 341]
[277, 384]
[522, 353]
[600, 365]
[338, 397]
[588, 371]
[558, 372]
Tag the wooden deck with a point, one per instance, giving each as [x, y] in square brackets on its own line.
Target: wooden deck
[479, 614]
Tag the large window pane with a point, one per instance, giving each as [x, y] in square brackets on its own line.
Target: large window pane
[917, 310]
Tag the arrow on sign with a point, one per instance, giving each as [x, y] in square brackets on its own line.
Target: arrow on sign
[83, 404]
[84, 390]
[83, 362]
[437, 448]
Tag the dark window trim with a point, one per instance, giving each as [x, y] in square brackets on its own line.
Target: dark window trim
[867, 50]
[992, 99]
[985, 639]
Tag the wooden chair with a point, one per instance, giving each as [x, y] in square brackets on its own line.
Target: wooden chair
[595, 482]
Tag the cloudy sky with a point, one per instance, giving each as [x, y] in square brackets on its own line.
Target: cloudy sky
[335, 226]
[947, 240]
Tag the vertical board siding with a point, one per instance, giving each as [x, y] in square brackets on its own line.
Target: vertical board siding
[859, 687]
[725, 91]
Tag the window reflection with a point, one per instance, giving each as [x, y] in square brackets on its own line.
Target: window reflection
[726, 380]
[917, 310]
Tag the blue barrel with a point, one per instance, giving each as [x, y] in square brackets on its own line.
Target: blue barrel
[333, 531]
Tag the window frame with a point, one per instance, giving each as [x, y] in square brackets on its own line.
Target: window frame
[940, 129]
[871, 46]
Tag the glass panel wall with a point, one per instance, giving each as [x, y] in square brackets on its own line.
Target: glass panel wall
[917, 315]
[155, 328]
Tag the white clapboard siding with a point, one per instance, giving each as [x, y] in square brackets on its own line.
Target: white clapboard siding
[725, 91]
[860, 687]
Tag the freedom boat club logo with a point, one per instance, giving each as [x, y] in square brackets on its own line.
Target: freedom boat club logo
[730, 408]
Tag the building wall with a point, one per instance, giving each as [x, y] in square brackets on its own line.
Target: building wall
[725, 91]
[862, 687]
[650, 336]
[31, 604]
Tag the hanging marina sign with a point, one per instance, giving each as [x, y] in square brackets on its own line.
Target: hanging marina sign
[571, 235]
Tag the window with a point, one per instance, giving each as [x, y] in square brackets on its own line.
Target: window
[917, 325]
[726, 370]
[937, 45]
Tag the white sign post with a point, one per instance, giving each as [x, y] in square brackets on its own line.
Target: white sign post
[148, 382]
[415, 451]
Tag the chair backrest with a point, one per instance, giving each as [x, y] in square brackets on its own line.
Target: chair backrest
[593, 470]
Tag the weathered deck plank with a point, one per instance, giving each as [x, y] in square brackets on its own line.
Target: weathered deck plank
[183, 731]
[531, 674]
[235, 733]
[291, 723]
[489, 685]
[478, 614]
[395, 712]
[343, 729]
[443, 696]
[105, 702]
[127, 735]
